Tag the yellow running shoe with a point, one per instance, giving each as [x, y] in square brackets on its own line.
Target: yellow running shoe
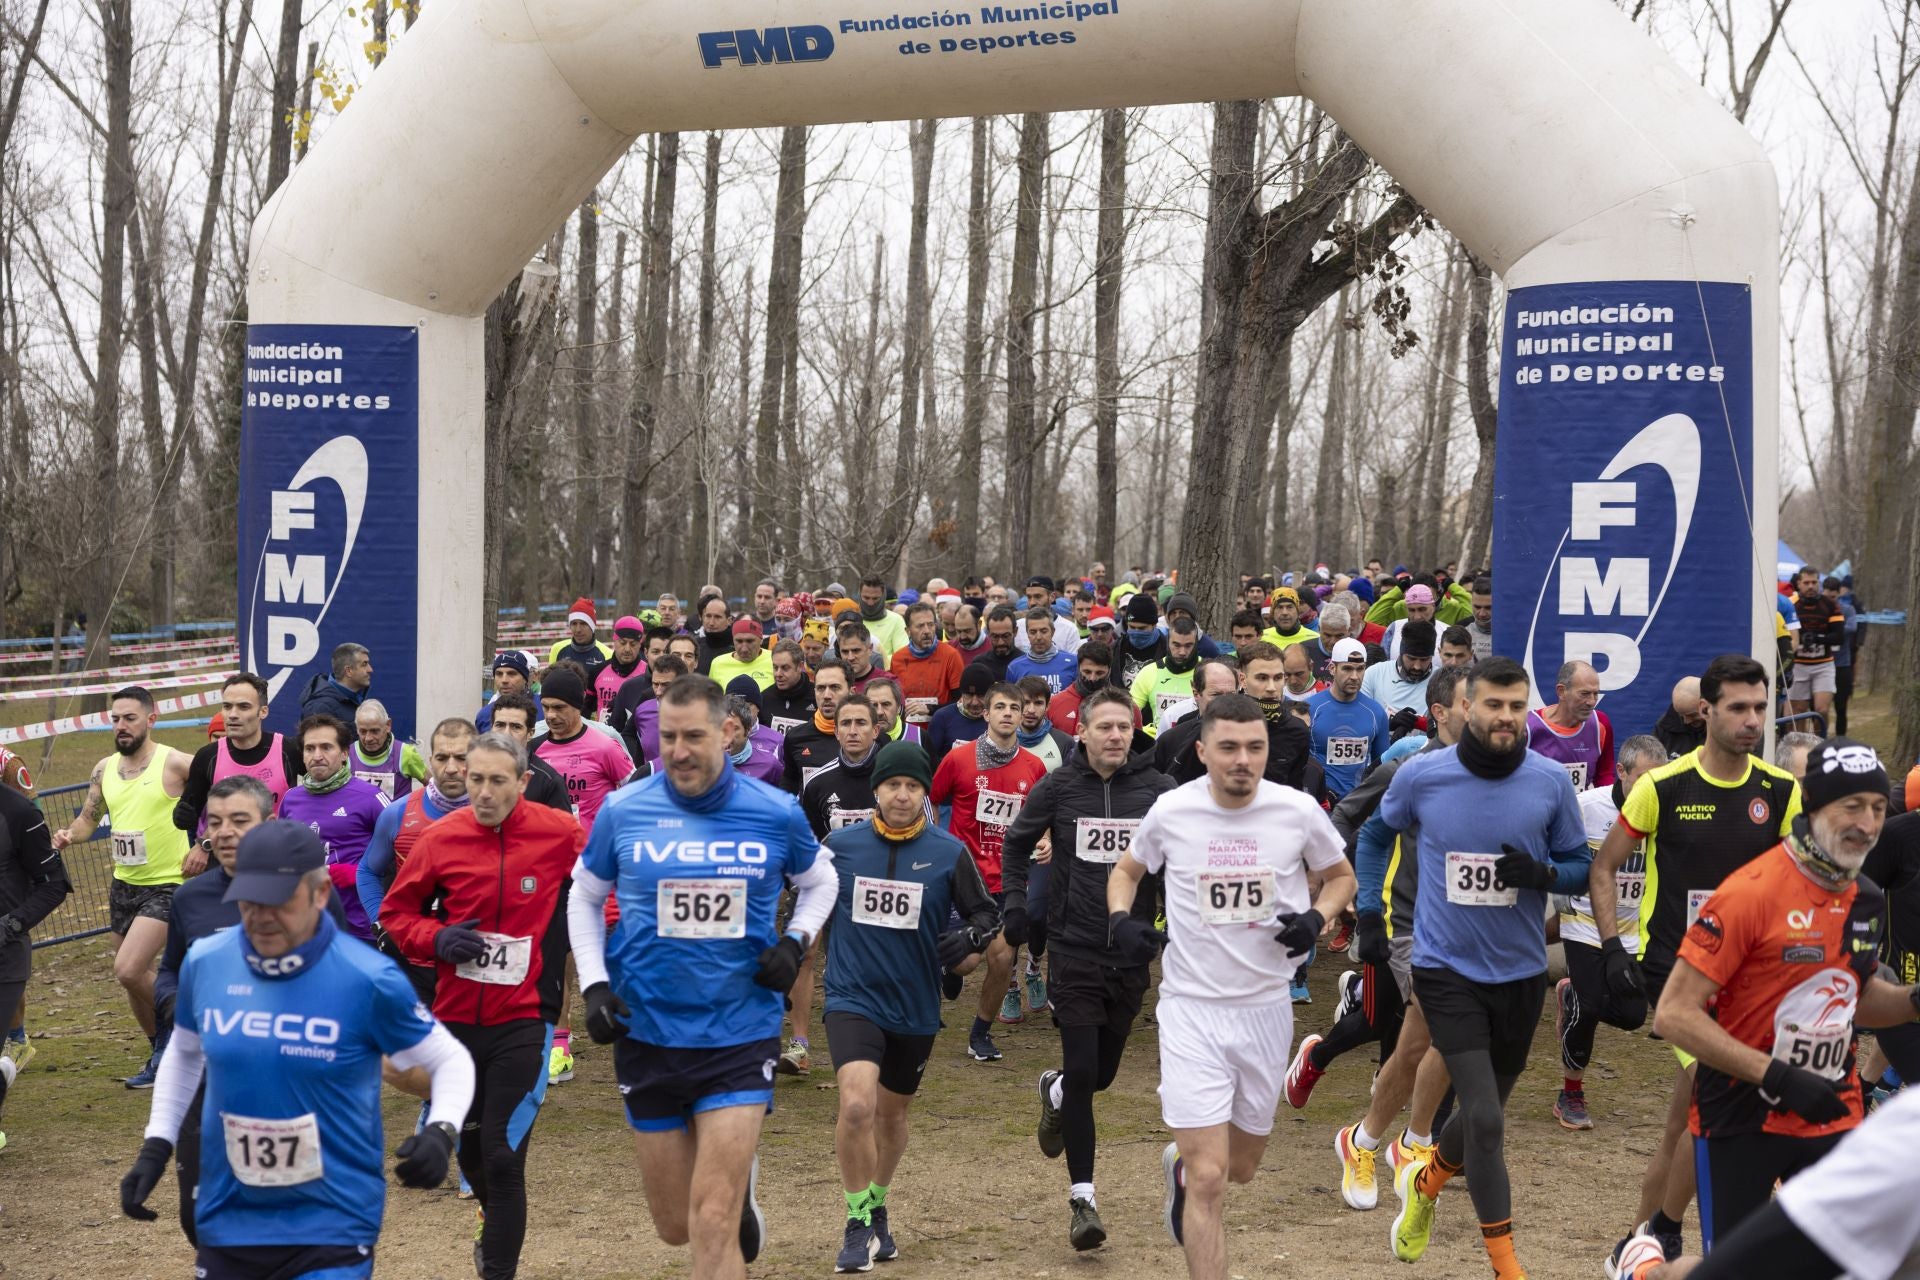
[1401, 1153]
[1413, 1225]
[559, 1065]
[1357, 1185]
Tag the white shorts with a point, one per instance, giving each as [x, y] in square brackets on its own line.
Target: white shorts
[1810, 678]
[1223, 1063]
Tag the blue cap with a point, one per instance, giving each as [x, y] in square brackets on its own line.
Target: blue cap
[272, 860]
[512, 658]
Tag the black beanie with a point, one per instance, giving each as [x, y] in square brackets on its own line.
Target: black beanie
[1838, 768]
[977, 679]
[563, 686]
[1416, 640]
[1140, 608]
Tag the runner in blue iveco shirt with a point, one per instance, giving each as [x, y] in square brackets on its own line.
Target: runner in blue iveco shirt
[690, 985]
[286, 1018]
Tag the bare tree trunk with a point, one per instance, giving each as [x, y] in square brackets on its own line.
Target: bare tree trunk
[116, 211]
[904, 497]
[1109, 262]
[1889, 497]
[1156, 552]
[649, 369]
[1329, 499]
[521, 331]
[701, 550]
[783, 303]
[864, 530]
[1022, 446]
[743, 465]
[286, 83]
[1906, 691]
[1477, 548]
[153, 429]
[973, 408]
[304, 120]
[576, 567]
[1280, 471]
[1433, 496]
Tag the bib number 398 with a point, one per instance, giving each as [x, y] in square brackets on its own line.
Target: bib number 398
[702, 909]
[1471, 881]
[1236, 897]
[503, 964]
[889, 904]
[273, 1153]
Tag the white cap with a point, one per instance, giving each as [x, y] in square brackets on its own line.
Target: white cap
[1348, 650]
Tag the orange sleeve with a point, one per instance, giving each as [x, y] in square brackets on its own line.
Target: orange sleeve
[1718, 943]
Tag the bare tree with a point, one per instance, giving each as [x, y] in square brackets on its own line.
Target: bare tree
[649, 370]
[701, 551]
[782, 336]
[1109, 262]
[1023, 441]
[970, 474]
[1477, 546]
[904, 492]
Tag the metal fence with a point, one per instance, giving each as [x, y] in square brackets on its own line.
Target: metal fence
[84, 913]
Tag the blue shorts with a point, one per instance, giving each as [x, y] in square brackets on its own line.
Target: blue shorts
[302, 1261]
[665, 1088]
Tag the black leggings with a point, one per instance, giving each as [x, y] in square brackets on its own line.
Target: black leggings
[1593, 1004]
[1089, 1058]
[1767, 1244]
[1734, 1176]
[1377, 1015]
[186, 1157]
[1475, 1136]
[510, 1070]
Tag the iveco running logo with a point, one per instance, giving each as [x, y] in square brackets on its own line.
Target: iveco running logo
[1598, 599]
[292, 587]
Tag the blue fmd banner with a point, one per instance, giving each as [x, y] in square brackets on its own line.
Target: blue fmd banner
[329, 487]
[1623, 486]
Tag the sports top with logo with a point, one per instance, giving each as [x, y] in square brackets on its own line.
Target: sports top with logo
[1348, 738]
[985, 801]
[271, 768]
[893, 903]
[1776, 943]
[699, 885]
[1585, 752]
[1229, 874]
[1462, 921]
[593, 765]
[294, 1146]
[146, 847]
[1698, 831]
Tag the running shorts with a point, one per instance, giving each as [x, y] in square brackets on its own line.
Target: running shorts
[1222, 1063]
[1810, 678]
[902, 1058]
[1085, 993]
[129, 902]
[1464, 1015]
[664, 1088]
[291, 1262]
[1400, 964]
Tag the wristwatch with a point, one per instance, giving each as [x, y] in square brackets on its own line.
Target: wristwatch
[453, 1135]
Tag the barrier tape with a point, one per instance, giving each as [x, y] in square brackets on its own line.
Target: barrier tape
[100, 719]
[161, 646]
[225, 661]
[93, 690]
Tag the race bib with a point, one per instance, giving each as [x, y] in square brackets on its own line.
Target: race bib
[1821, 1050]
[1470, 881]
[1164, 700]
[1577, 770]
[840, 819]
[806, 774]
[785, 724]
[129, 848]
[503, 964]
[273, 1153]
[1346, 751]
[997, 808]
[1696, 899]
[1630, 887]
[383, 782]
[702, 909]
[889, 904]
[920, 710]
[1104, 839]
[1236, 897]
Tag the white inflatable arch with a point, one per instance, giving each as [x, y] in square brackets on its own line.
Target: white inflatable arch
[1634, 221]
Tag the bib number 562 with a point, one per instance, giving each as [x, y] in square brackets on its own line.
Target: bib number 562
[702, 908]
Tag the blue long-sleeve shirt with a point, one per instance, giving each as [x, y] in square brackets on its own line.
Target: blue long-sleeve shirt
[378, 864]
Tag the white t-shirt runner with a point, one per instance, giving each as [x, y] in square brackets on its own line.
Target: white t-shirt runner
[1229, 874]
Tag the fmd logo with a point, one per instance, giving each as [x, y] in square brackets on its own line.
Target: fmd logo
[1624, 527]
[313, 526]
[755, 47]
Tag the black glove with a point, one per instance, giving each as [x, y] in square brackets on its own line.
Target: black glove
[1299, 930]
[1136, 941]
[145, 1175]
[1518, 870]
[423, 1158]
[957, 945]
[605, 1012]
[1866, 924]
[11, 929]
[1402, 722]
[1813, 1098]
[1014, 924]
[458, 943]
[1371, 939]
[950, 985]
[780, 965]
[1618, 970]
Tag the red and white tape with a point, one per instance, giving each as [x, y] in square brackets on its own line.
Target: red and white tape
[93, 690]
[198, 662]
[99, 719]
[160, 646]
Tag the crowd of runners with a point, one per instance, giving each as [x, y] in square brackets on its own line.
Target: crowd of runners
[659, 834]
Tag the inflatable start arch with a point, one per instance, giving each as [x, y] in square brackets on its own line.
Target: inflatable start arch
[1633, 220]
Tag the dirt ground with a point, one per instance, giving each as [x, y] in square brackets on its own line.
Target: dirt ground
[974, 1196]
